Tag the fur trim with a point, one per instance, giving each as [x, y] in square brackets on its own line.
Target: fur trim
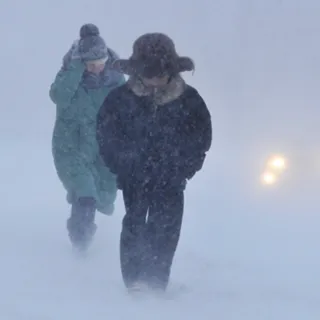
[160, 96]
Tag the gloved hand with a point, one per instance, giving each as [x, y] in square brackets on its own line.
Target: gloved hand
[72, 55]
[75, 53]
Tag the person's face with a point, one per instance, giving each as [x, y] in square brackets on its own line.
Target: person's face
[156, 82]
[96, 66]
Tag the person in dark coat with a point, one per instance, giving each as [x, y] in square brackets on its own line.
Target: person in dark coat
[153, 133]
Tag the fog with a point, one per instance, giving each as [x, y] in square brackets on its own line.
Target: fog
[248, 250]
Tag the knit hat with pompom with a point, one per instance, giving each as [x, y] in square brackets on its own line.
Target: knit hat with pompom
[91, 44]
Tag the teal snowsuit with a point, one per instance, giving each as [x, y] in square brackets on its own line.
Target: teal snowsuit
[74, 146]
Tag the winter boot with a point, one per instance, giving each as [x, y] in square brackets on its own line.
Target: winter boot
[80, 225]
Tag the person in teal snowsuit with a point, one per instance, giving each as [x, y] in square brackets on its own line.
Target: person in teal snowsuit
[78, 91]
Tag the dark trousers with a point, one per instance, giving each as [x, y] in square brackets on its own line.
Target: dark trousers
[80, 225]
[150, 235]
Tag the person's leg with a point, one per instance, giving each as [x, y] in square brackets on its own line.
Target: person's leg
[162, 235]
[80, 225]
[132, 246]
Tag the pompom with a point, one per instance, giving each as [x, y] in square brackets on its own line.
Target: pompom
[89, 30]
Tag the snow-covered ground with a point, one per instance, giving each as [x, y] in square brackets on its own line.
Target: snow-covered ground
[237, 259]
[247, 251]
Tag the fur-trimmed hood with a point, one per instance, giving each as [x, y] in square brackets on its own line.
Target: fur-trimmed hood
[160, 96]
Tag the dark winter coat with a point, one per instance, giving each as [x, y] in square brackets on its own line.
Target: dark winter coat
[154, 139]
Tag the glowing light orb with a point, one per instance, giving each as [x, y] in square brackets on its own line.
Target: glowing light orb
[269, 178]
[278, 163]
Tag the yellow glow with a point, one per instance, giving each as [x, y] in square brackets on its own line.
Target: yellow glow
[269, 178]
[278, 163]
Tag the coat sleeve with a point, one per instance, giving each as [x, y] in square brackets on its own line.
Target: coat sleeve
[199, 135]
[66, 83]
[88, 138]
[117, 150]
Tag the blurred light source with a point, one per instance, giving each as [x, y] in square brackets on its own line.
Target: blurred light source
[278, 163]
[269, 178]
[275, 166]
